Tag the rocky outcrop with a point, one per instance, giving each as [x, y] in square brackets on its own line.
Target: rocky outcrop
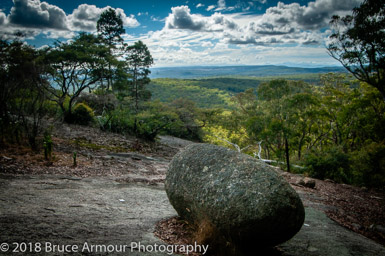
[244, 199]
[307, 182]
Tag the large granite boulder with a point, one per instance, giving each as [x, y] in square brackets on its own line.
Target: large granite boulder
[245, 200]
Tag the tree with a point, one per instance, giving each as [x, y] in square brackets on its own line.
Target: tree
[110, 26]
[22, 88]
[358, 43]
[76, 66]
[153, 119]
[6, 88]
[274, 95]
[280, 116]
[192, 119]
[139, 60]
[303, 110]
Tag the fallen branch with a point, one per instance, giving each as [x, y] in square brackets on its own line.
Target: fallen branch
[256, 155]
[233, 144]
[259, 155]
[238, 148]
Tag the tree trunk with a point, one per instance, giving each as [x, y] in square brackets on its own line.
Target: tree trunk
[136, 92]
[381, 88]
[300, 150]
[136, 126]
[68, 113]
[61, 105]
[287, 154]
[300, 144]
[109, 77]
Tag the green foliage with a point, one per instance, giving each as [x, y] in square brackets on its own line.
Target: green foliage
[23, 98]
[368, 165]
[334, 128]
[168, 90]
[47, 145]
[332, 164]
[110, 26]
[214, 92]
[180, 118]
[364, 167]
[229, 85]
[337, 126]
[138, 62]
[76, 66]
[219, 135]
[358, 43]
[273, 117]
[153, 121]
[82, 114]
[100, 102]
[119, 121]
[190, 120]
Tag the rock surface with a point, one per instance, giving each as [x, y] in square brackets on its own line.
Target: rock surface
[307, 182]
[245, 199]
[69, 210]
[73, 211]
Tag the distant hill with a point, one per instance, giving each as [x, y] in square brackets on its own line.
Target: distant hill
[168, 90]
[229, 71]
[212, 87]
[213, 92]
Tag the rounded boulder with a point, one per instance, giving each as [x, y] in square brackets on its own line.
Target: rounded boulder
[244, 199]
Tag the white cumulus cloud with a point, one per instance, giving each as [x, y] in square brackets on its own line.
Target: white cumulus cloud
[181, 18]
[3, 18]
[33, 17]
[281, 24]
[36, 14]
[84, 17]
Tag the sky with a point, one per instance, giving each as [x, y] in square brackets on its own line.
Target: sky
[191, 32]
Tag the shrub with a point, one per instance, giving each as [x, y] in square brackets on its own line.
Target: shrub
[186, 125]
[81, 114]
[100, 103]
[154, 119]
[47, 145]
[333, 163]
[119, 121]
[150, 123]
[368, 165]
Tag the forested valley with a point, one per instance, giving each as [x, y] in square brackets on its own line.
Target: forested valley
[329, 129]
